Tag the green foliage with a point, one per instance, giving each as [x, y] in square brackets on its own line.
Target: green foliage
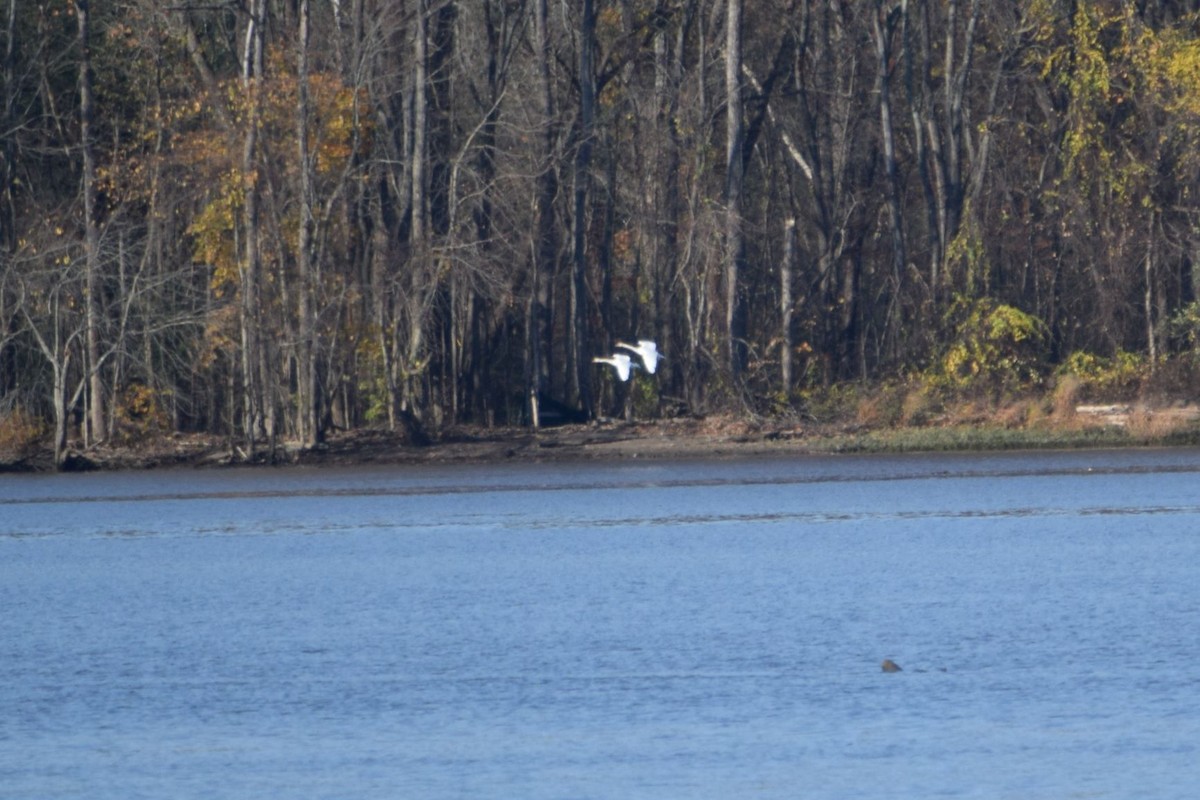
[966, 255]
[372, 383]
[644, 392]
[992, 347]
[1105, 378]
[1184, 326]
[1167, 64]
[1075, 52]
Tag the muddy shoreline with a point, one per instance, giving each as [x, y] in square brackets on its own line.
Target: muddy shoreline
[713, 437]
[689, 438]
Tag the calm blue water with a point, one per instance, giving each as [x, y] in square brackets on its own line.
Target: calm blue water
[634, 630]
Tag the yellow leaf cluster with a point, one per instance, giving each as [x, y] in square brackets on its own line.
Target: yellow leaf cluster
[212, 233]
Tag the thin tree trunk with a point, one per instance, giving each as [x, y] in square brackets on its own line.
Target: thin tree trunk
[917, 103]
[420, 125]
[665, 211]
[956, 73]
[60, 410]
[786, 270]
[252, 77]
[882, 28]
[939, 134]
[306, 422]
[578, 363]
[545, 244]
[8, 209]
[1151, 332]
[734, 179]
[421, 288]
[96, 426]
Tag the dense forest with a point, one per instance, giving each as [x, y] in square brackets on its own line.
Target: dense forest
[272, 219]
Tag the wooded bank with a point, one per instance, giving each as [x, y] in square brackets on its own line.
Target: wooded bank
[268, 219]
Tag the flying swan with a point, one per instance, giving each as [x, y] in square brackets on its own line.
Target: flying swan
[647, 351]
[622, 363]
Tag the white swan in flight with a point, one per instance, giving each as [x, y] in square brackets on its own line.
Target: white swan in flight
[647, 351]
[622, 363]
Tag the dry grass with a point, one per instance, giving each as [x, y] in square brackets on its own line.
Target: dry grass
[919, 406]
[1159, 424]
[20, 436]
[1015, 415]
[877, 409]
[1067, 393]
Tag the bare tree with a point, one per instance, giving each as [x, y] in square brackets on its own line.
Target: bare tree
[48, 298]
[941, 135]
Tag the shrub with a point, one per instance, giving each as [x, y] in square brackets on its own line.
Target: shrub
[994, 348]
[921, 404]
[1099, 378]
[644, 391]
[141, 413]
[20, 435]
[1067, 391]
[1173, 379]
[881, 407]
[836, 403]
[1184, 328]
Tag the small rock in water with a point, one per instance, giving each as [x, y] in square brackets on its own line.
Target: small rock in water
[891, 666]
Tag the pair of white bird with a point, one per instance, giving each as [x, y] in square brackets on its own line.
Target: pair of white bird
[623, 363]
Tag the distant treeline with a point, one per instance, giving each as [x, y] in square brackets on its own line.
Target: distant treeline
[274, 218]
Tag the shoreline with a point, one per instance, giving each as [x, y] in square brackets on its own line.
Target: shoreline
[683, 438]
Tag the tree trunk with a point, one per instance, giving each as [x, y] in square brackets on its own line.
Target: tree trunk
[253, 390]
[8, 208]
[1151, 329]
[545, 241]
[940, 133]
[60, 412]
[420, 130]
[666, 211]
[734, 179]
[422, 275]
[306, 396]
[786, 269]
[578, 363]
[882, 25]
[96, 427]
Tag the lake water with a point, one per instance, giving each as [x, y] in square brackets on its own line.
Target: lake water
[632, 630]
